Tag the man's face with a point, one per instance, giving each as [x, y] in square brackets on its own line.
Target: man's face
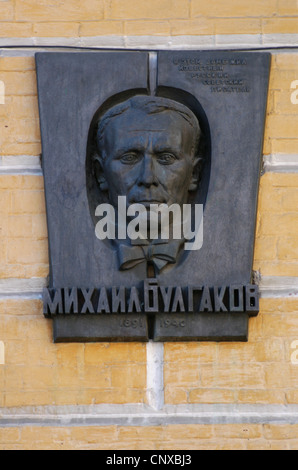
[149, 158]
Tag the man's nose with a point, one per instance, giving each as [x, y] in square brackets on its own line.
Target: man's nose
[147, 176]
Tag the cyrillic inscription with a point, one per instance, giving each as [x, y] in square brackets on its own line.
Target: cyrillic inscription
[151, 298]
[221, 75]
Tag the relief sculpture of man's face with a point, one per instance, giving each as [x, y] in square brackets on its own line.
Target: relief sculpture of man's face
[149, 156]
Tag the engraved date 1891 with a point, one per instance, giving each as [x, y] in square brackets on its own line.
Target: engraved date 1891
[131, 323]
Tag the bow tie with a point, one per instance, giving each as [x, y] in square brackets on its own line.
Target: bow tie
[159, 252]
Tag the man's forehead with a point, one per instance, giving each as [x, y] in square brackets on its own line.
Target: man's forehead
[125, 140]
[139, 121]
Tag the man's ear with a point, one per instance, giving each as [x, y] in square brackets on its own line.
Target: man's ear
[99, 173]
[197, 172]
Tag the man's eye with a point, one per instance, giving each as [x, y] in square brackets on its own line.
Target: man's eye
[129, 158]
[166, 158]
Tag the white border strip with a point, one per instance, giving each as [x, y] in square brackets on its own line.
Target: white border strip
[143, 415]
[31, 165]
[269, 286]
[220, 41]
[22, 288]
[281, 163]
[278, 286]
[155, 375]
[20, 165]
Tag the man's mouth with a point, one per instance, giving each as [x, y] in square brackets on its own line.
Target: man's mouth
[145, 200]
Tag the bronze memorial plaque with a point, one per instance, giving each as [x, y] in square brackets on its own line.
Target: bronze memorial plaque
[151, 163]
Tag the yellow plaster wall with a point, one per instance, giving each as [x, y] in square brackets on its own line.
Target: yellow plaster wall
[76, 18]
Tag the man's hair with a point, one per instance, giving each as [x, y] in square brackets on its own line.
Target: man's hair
[150, 105]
